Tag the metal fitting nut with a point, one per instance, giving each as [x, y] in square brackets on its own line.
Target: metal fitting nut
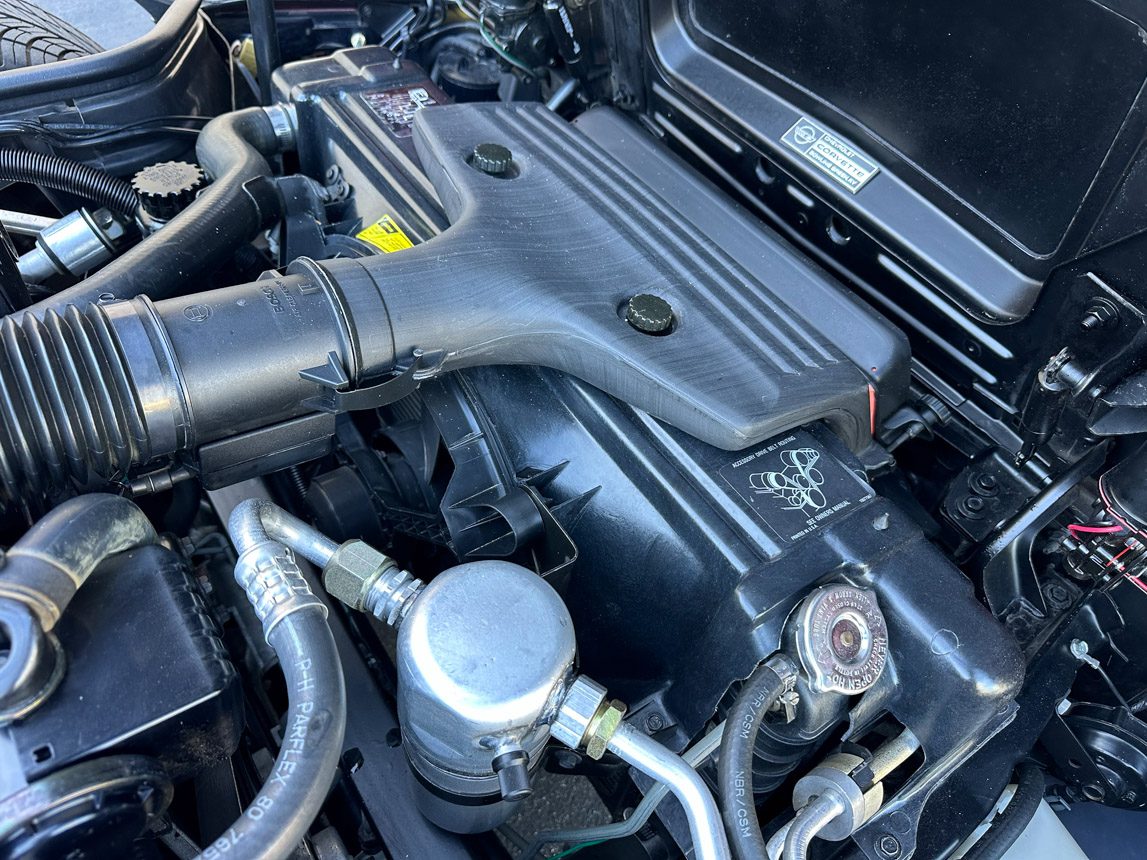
[586, 719]
[579, 706]
[352, 572]
[602, 728]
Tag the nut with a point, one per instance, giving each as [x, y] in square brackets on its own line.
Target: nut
[352, 570]
[602, 727]
[581, 703]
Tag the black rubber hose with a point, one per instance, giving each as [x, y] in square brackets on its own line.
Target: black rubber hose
[42, 572]
[56, 556]
[1016, 816]
[233, 149]
[735, 765]
[63, 174]
[277, 820]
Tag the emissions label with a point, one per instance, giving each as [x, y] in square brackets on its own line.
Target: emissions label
[386, 235]
[794, 486]
[833, 156]
[397, 107]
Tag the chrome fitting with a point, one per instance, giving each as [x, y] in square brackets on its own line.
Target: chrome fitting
[72, 245]
[586, 719]
[833, 778]
[367, 580]
[274, 584]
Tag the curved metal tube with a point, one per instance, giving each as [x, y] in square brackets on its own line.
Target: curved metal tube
[653, 759]
[257, 521]
[775, 847]
[696, 755]
[812, 818]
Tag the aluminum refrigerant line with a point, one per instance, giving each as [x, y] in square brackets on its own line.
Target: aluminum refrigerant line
[655, 760]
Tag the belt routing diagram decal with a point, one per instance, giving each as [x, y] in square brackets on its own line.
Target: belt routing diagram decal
[794, 486]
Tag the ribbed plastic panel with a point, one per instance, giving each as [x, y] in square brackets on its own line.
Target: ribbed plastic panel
[538, 268]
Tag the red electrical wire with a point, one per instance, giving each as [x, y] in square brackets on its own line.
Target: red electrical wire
[1077, 530]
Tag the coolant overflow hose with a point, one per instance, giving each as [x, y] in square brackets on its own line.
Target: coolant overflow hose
[735, 763]
[233, 148]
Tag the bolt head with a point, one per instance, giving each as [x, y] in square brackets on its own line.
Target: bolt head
[1098, 316]
[888, 845]
[654, 723]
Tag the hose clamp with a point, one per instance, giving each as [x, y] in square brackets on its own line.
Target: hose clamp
[284, 122]
[152, 374]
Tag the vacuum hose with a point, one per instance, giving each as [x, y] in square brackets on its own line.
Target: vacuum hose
[63, 174]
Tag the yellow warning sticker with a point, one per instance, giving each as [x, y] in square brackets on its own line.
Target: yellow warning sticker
[385, 235]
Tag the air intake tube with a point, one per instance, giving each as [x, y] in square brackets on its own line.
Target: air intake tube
[89, 394]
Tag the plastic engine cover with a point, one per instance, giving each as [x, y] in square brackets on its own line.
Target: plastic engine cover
[538, 265]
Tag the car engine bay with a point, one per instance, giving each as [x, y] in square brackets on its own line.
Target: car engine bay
[526, 428]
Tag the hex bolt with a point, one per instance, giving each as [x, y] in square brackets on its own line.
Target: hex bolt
[888, 845]
[971, 507]
[654, 723]
[986, 485]
[1098, 316]
[1058, 595]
